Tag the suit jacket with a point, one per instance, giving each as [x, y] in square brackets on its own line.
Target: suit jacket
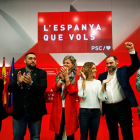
[123, 75]
[29, 97]
[3, 113]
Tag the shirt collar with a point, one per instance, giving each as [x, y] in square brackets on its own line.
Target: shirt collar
[28, 71]
[113, 73]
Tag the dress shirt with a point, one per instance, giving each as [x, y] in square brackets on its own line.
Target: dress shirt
[113, 89]
[91, 95]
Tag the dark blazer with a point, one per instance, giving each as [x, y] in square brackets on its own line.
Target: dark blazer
[3, 113]
[123, 75]
[29, 98]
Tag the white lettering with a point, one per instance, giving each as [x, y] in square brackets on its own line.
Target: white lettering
[55, 27]
[92, 37]
[45, 28]
[69, 26]
[76, 27]
[62, 27]
[84, 27]
[60, 37]
[98, 27]
[100, 48]
[53, 37]
[78, 37]
[46, 37]
[85, 37]
[91, 26]
[71, 36]
[104, 48]
[96, 48]
[93, 47]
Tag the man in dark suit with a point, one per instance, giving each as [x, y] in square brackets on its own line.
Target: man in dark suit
[29, 85]
[3, 113]
[120, 96]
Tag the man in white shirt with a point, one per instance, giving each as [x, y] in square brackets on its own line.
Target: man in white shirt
[120, 95]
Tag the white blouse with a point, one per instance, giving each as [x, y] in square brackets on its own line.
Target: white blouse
[91, 95]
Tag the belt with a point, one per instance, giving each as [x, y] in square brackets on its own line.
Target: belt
[115, 103]
[90, 109]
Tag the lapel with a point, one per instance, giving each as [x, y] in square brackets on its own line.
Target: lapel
[22, 71]
[105, 77]
[118, 74]
[34, 73]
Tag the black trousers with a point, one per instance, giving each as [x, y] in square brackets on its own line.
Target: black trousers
[119, 113]
[59, 137]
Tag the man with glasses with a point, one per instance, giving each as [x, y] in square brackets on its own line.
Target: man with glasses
[29, 85]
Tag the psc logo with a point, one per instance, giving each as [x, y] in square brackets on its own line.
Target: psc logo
[100, 48]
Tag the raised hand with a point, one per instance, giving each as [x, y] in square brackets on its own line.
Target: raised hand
[104, 82]
[82, 75]
[107, 80]
[20, 77]
[129, 46]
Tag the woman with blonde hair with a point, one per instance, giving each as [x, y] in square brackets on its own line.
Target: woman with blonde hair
[91, 92]
[64, 110]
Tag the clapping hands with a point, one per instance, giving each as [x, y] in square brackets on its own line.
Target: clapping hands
[64, 72]
[24, 78]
